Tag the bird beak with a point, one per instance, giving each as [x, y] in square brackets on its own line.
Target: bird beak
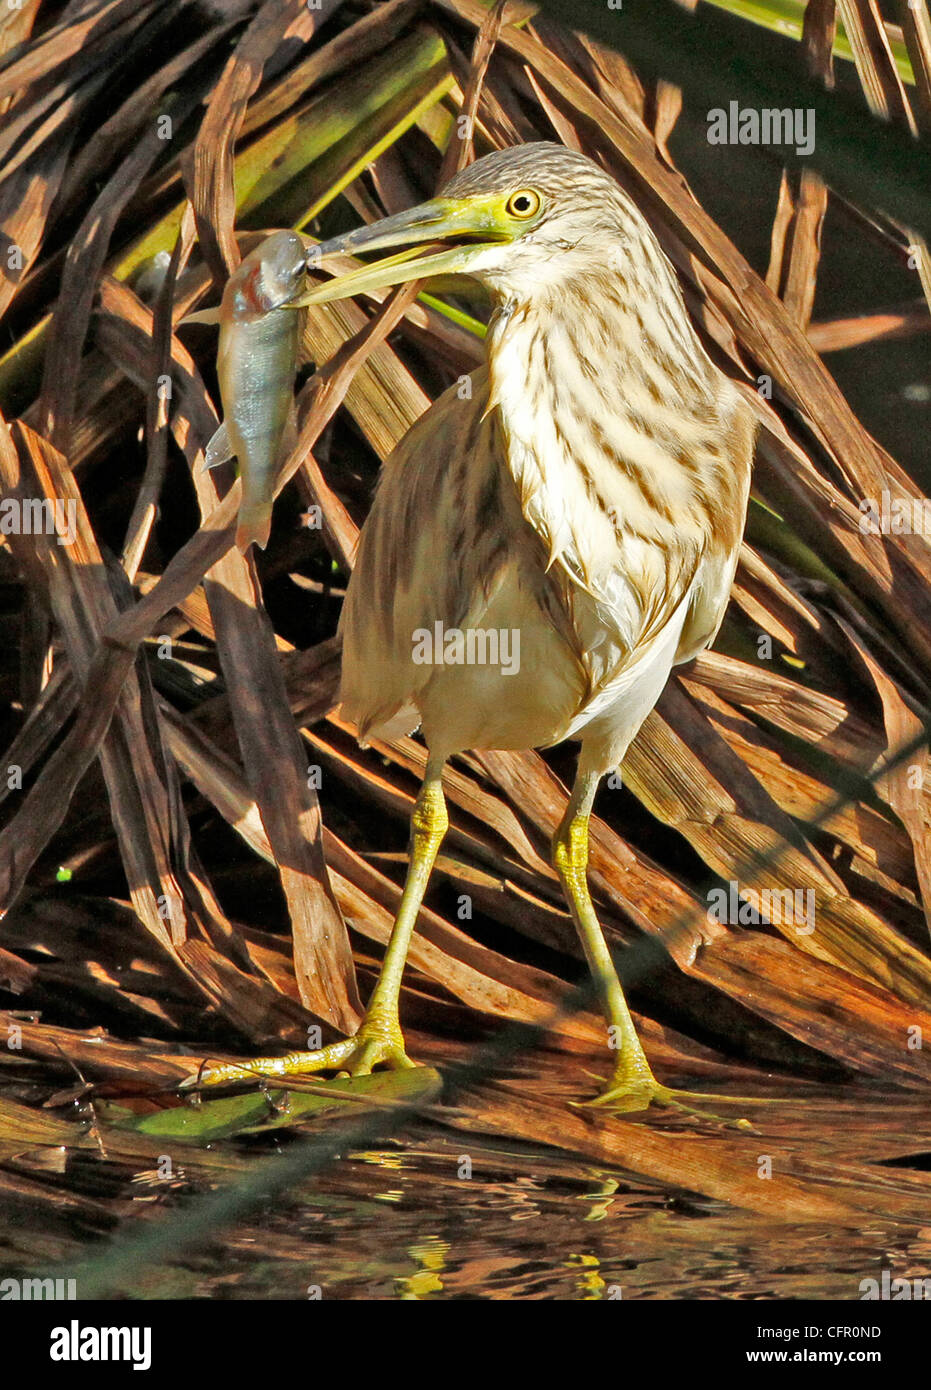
[475, 223]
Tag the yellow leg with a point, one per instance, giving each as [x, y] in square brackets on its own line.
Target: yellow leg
[632, 1085]
[379, 1039]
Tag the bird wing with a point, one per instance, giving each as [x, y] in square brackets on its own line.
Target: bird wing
[628, 646]
[434, 548]
[664, 599]
[711, 589]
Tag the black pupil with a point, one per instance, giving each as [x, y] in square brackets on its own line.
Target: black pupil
[522, 203]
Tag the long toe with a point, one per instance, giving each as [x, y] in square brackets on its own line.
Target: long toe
[630, 1096]
[357, 1056]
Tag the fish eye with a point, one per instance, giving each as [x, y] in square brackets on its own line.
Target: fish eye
[526, 202]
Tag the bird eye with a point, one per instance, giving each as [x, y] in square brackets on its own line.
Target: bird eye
[524, 203]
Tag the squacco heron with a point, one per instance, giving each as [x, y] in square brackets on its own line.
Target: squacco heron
[587, 496]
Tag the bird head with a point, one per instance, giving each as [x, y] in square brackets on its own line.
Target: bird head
[515, 220]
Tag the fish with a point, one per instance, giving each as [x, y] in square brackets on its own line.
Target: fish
[256, 363]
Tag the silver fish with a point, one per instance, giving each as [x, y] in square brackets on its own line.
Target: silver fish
[256, 362]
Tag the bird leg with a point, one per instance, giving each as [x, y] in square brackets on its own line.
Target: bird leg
[632, 1081]
[379, 1039]
[632, 1085]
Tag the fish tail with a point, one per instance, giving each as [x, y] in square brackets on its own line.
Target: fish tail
[255, 524]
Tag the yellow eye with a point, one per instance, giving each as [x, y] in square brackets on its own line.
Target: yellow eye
[525, 203]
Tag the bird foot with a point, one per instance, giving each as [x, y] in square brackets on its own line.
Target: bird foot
[627, 1094]
[375, 1044]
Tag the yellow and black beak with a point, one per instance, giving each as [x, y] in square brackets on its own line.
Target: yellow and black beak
[475, 224]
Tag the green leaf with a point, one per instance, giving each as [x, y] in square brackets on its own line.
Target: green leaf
[210, 1120]
[786, 17]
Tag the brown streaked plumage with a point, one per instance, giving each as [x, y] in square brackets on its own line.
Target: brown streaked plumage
[588, 495]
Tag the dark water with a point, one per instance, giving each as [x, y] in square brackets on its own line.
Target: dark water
[406, 1222]
[550, 1232]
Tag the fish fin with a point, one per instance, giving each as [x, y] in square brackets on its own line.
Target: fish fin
[255, 524]
[200, 316]
[218, 450]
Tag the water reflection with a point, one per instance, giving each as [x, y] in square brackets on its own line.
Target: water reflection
[425, 1221]
[415, 1222]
